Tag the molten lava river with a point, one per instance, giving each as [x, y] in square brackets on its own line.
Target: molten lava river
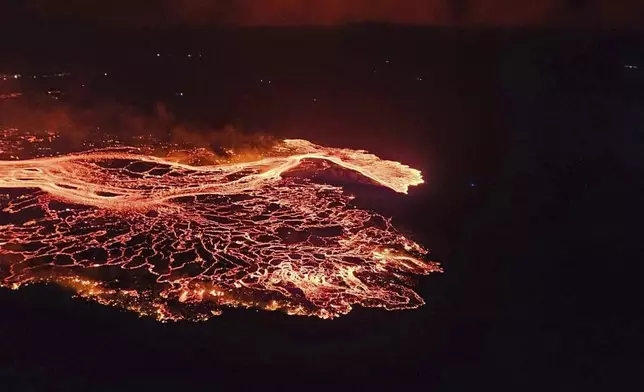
[167, 239]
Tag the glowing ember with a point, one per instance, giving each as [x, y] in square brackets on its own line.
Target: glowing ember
[174, 241]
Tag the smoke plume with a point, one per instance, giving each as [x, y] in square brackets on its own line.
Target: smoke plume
[79, 125]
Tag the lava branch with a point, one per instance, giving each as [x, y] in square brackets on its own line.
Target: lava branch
[177, 241]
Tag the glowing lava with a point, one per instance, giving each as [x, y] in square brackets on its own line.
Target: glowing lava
[176, 241]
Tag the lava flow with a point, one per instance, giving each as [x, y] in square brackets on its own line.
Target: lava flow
[175, 241]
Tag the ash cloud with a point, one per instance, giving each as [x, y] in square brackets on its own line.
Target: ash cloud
[512, 13]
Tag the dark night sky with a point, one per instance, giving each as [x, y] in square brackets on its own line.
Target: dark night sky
[506, 13]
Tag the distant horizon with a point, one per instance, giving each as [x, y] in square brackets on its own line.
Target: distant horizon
[368, 25]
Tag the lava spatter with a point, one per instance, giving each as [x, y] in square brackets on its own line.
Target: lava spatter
[175, 241]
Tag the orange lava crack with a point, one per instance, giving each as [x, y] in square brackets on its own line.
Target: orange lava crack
[175, 241]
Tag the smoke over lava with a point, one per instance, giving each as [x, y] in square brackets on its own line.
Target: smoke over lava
[125, 227]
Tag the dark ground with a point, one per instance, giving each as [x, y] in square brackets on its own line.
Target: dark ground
[542, 256]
